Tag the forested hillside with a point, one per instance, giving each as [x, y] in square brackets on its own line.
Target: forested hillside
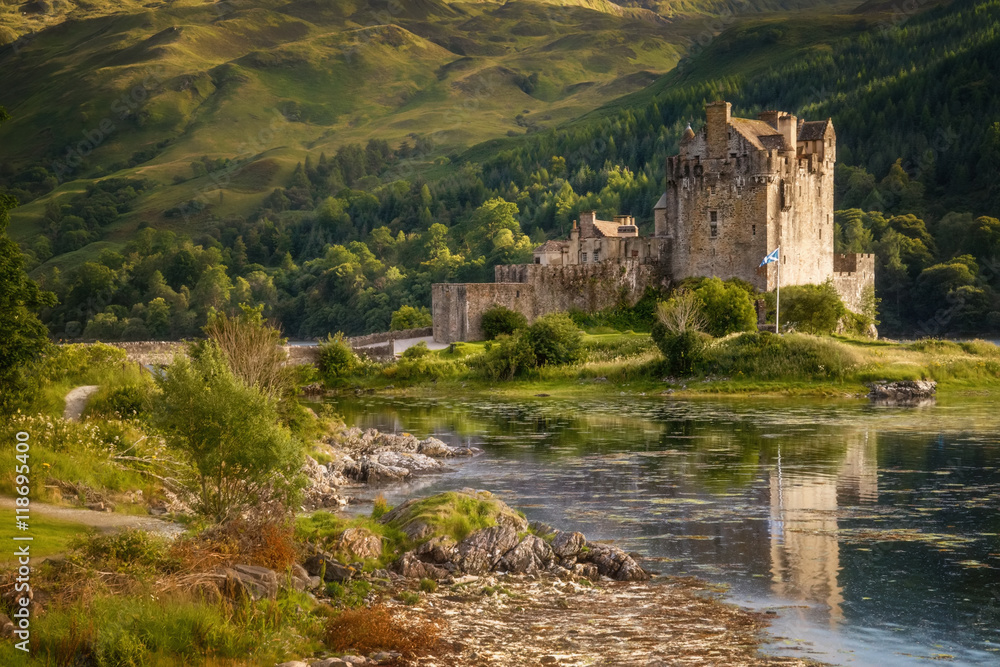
[338, 237]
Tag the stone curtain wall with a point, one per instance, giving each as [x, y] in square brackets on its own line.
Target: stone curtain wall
[535, 290]
[458, 308]
[851, 275]
[586, 287]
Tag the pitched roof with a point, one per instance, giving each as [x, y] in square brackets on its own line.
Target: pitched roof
[606, 228]
[662, 203]
[757, 132]
[552, 246]
[813, 130]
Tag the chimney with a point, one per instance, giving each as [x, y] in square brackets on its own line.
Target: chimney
[770, 117]
[788, 126]
[587, 224]
[717, 117]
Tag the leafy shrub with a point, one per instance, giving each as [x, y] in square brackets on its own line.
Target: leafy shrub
[505, 358]
[727, 308]
[408, 317]
[422, 368]
[812, 308]
[682, 351]
[79, 363]
[336, 359]
[416, 351]
[428, 585]
[120, 551]
[500, 320]
[555, 339]
[121, 402]
[242, 455]
[677, 331]
[622, 317]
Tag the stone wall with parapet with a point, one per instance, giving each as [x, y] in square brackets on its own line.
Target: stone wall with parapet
[389, 336]
[535, 290]
[377, 346]
[152, 352]
[852, 274]
[585, 287]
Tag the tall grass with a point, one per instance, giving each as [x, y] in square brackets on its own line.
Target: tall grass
[765, 356]
[147, 629]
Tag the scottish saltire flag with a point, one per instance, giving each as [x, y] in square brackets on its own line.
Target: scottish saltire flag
[773, 257]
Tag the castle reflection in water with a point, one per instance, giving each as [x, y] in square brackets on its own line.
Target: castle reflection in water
[803, 525]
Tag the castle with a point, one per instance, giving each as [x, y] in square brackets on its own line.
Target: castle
[738, 189]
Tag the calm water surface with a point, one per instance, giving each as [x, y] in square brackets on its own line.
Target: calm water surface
[872, 531]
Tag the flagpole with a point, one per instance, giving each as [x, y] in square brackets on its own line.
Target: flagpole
[777, 299]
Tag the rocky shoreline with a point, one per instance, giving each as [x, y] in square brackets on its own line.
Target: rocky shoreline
[355, 457]
[538, 595]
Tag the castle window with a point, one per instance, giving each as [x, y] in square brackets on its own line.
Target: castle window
[583, 258]
[517, 294]
[732, 155]
[713, 223]
[597, 256]
[538, 260]
[713, 216]
[711, 189]
[753, 229]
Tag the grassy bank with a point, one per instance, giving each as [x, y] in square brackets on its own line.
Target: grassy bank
[739, 364]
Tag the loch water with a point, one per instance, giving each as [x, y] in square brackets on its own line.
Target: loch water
[872, 532]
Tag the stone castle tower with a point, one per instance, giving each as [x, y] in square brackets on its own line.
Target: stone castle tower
[740, 188]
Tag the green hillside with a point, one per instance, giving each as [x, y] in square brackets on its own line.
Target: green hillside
[143, 92]
[308, 157]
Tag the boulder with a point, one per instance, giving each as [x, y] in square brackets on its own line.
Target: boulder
[587, 571]
[240, 582]
[326, 567]
[904, 391]
[6, 627]
[360, 543]
[412, 462]
[434, 447]
[482, 550]
[436, 550]
[299, 577]
[530, 555]
[568, 545]
[613, 562]
[412, 567]
[372, 471]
